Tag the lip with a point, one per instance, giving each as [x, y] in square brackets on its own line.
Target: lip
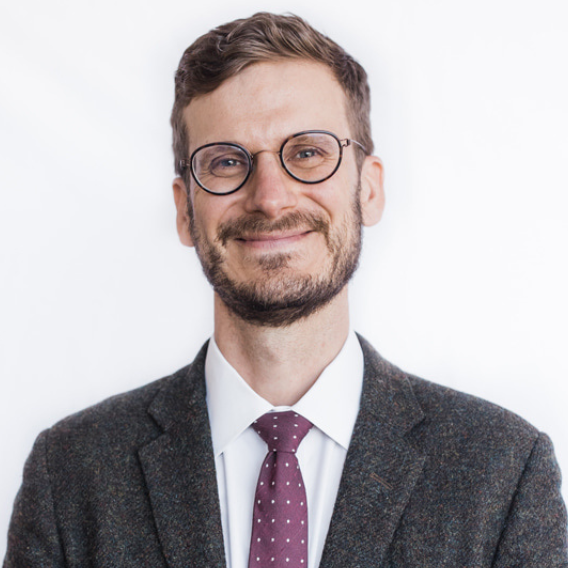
[273, 240]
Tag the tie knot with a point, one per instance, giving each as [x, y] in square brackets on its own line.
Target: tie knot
[282, 431]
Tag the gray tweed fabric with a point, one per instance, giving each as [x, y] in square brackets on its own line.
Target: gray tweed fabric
[433, 478]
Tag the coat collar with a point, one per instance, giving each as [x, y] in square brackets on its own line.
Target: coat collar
[380, 470]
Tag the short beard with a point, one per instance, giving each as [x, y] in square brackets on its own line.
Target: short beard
[282, 299]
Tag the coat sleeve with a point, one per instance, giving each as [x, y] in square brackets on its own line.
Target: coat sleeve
[33, 539]
[534, 534]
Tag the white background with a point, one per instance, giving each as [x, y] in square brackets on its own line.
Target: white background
[464, 281]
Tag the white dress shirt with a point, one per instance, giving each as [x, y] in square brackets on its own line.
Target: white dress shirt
[331, 405]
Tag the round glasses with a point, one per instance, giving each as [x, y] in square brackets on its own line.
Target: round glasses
[311, 156]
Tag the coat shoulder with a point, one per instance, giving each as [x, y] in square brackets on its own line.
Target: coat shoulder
[125, 409]
[132, 418]
[170, 391]
[453, 419]
[456, 411]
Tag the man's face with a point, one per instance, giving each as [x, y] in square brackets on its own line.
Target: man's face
[277, 249]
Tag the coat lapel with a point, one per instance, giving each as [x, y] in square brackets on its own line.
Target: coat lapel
[179, 469]
[380, 470]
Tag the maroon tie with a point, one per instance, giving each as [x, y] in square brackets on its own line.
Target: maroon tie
[280, 519]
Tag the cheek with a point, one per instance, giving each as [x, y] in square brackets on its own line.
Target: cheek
[210, 211]
[337, 199]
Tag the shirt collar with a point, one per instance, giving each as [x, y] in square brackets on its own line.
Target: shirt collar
[233, 405]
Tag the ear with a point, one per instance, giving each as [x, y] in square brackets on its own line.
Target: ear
[182, 219]
[372, 192]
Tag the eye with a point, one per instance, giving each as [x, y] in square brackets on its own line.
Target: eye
[304, 154]
[307, 153]
[226, 164]
[307, 156]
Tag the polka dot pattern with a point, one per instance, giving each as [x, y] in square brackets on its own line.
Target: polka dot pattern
[280, 523]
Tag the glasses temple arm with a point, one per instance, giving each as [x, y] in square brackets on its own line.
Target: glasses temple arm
[349, 141]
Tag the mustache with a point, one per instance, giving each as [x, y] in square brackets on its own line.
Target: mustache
[246, 226]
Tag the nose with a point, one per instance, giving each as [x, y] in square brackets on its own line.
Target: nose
[270, 190]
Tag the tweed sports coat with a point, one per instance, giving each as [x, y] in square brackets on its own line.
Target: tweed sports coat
[433, 478]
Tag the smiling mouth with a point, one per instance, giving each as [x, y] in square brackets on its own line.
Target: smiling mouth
[273, 240]
[251, 230]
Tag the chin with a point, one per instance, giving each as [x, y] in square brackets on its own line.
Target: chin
[284, 298]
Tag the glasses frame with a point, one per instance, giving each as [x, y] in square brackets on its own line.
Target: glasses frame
[342, 143]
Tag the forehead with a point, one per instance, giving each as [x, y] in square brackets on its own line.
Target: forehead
[266, 102]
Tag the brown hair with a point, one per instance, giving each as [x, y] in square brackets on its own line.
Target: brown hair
[228, 49]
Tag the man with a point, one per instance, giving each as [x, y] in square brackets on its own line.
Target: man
[370, 466]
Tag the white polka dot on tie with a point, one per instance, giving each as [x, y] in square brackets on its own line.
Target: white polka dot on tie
[272, 520]
[301, 503]
[303, 541]
[258, 539]
[286, 464]
[259, 501]
[302, 522]
[258, 559]
[288, 521]
[287, 483]
[272, 539]
[295, 437]
[288, 502]
[302, 560]
[262, 482]
[259, 520]
[272, 501]
[272, 559]
[287, 540]
[287, 560]
[275, 425]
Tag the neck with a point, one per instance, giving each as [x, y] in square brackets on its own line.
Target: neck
[281, 364]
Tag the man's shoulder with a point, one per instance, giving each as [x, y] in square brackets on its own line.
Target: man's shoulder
[460, 420]
[121, 421]
[451, 417]
[134, 416]
[128, 405]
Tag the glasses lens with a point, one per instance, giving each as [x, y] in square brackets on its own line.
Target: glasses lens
[311, 157]
[220, 168]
